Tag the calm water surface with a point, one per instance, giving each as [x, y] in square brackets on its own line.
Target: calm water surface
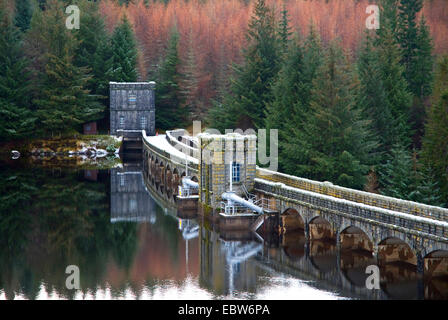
[130, 243]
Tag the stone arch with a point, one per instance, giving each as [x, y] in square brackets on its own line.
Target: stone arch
[393, 249]
[321, 229]
[435, 264]
[291, 220]
[354, 238]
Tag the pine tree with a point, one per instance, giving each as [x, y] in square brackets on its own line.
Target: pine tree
[373, 99]
[392, 73]
[312, 61]
[427, 189]
[92, 39]
[397, 175]
[291, 90]
[94, 53]
[62, 101]
[170, 113]
[421, 84]
[284, 30]
[334, 142]
[23, 14]
[421, 80]
[407, 37]
[286, 92]
[251, 87]
[190, 82]
[16, 118]
[124, 54]
[435, 141]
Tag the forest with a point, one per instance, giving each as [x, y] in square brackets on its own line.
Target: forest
[365, 109]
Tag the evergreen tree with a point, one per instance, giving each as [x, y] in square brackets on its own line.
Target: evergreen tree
[312, 61]
[407, 37]
[170, 113]
[23, 14]
[372, 98]
[286, 92]
[427, 190]
[251, 86]
[16, 118]
[435, 141]
[421, 80]
[124, 54]
[334, 142]
[94, 53]
[93, 39]
[190, 82]
[421, 84]
[291, 91]
[397, 175]
[62, 102]
[392, 73]
[284, 30]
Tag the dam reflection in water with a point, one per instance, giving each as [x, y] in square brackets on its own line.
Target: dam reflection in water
[129, 242]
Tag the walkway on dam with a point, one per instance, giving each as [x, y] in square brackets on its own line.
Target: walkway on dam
[161, 142]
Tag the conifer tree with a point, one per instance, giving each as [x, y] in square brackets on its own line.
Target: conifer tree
[392, 73]
[334, 142]
[190, 82]
[312, 61]
[373, 99]
[251, 87]
[23, 14]
[416, 49]
[421, 80]
[427, 189]
[170, 111]
[93, 39]
[421, 84]
[397, 175]
[407, 36]
[16, 118]
[62, 101]
[124, 54]
[287, 91]
[284, 30]
[435, 141]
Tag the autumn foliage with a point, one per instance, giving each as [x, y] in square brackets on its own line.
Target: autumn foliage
[212, 32]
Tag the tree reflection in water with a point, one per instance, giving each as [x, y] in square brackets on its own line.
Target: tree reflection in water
[51, 219]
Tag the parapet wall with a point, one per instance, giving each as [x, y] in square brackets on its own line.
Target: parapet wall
[363, 197]
[178, 139]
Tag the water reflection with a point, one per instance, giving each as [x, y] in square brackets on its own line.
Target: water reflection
[130, 244]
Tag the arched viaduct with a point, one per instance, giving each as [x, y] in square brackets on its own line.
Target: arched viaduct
[390, 229]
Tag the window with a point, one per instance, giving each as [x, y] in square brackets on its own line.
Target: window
[143, 122]
[132, 98]
[121, 121]
[122, 180]
[236, 172]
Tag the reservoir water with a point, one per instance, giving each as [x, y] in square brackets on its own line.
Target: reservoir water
[129, 242]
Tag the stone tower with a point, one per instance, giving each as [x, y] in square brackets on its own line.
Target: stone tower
[132, 108]
[220, 155]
